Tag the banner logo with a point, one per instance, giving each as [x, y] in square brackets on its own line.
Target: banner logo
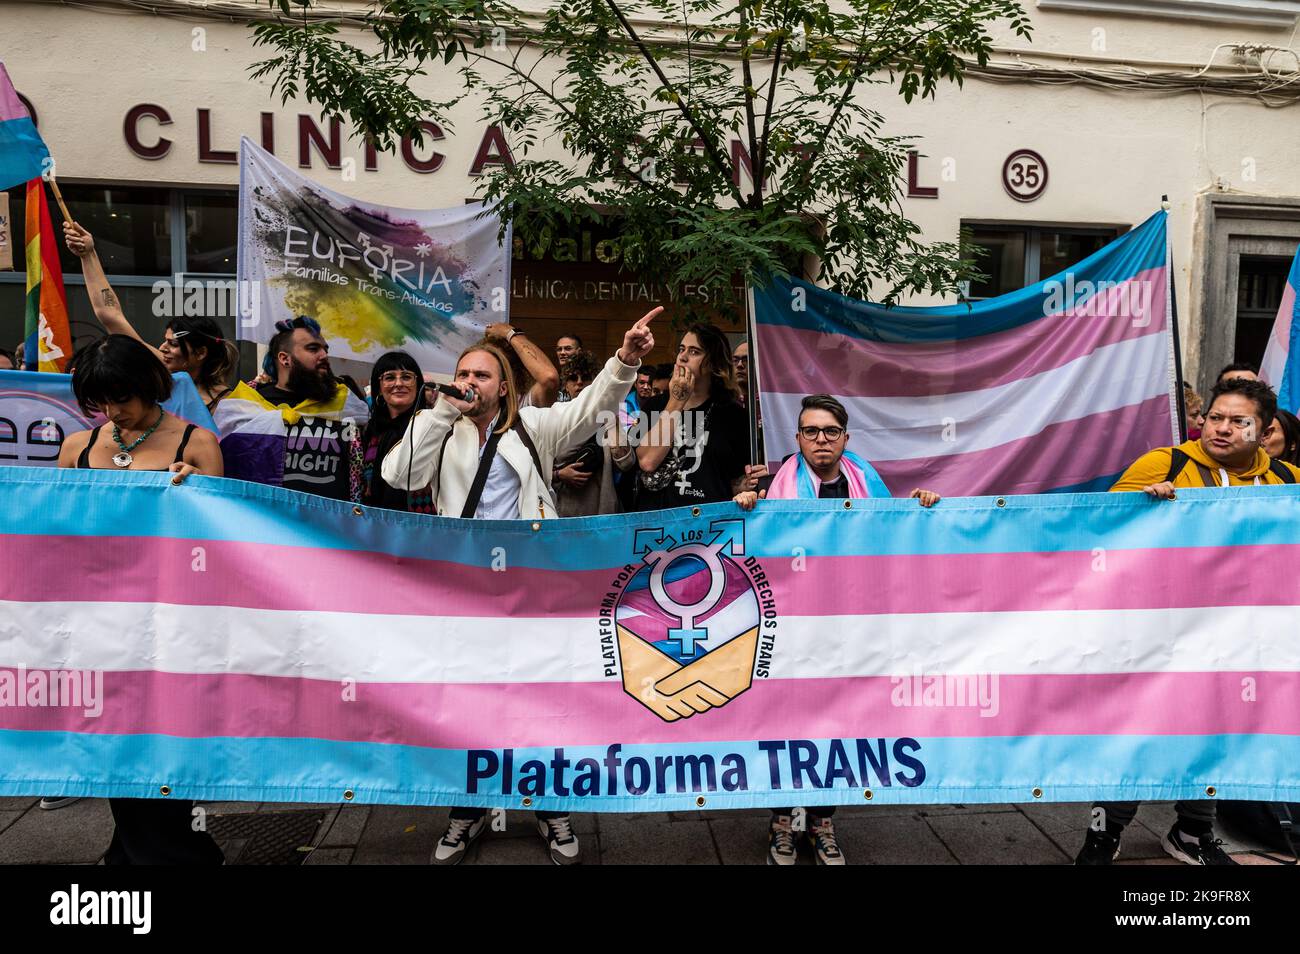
[688, 620]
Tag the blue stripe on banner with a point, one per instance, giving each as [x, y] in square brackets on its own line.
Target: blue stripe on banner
[205, 508]
[1140, 250]
[1288, 391]
[913, 771]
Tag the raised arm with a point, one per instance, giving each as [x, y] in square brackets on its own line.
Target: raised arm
[546, 380]
[102, 299]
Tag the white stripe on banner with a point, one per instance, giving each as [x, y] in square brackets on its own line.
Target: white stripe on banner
[909, 428]
[116, 637]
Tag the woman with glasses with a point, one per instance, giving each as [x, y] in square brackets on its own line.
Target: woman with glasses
[191, 343]
[397, 391]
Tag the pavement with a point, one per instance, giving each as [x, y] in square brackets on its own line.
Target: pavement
[252, 833]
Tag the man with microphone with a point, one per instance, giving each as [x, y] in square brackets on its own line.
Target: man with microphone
[485, 457]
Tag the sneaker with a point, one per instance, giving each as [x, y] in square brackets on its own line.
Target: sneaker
[1206, 850]
[559, 837]
[50, 804]
[460, 834]
[823, 839]
[1100, 848]
[780, 845]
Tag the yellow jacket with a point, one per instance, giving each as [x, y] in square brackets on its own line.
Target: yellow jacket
[1153, 467]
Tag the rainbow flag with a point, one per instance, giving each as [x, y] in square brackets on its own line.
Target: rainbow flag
[49, 336]
[1281, 364]
[1056, 387]
[23, 155]
[249, 642]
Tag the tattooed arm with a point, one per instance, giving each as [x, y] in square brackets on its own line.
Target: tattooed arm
[102, 298]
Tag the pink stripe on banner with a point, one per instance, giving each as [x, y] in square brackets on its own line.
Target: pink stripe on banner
[554, 714]
[1060, 455]
[812, 362]
[831, 585]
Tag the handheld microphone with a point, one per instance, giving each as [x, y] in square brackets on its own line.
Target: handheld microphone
[467, 395]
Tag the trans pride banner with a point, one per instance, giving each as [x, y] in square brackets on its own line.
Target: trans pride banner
[1056, 387]
[1281, 364]
[235, 641]
[38, 410]
[427, 282]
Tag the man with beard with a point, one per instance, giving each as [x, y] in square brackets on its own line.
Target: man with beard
[303, 429]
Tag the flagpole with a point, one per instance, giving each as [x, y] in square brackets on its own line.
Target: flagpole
[58, 197]
[751, 392]
[1173, 324]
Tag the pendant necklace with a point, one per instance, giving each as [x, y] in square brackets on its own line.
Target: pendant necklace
[123, 457]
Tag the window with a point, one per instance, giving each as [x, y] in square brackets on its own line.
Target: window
[143, 234]
[1019, 255]
[1261, 281]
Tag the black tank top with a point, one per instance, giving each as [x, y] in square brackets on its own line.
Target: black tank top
[83, 460]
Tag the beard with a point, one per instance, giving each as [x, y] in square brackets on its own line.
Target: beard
[311, 385]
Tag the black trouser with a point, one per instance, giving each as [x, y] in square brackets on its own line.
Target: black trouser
[474, 814]
[154, 831]
[812, 812]
[1195, 816]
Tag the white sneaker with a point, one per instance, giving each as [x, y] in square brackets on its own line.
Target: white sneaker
[823, 839]
[460, 834]
[559, 837]
[61, 801]
[781, 848]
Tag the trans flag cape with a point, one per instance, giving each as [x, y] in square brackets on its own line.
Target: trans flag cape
[1056, 387]
[256, 433]
[795, 479]
[1281, 364]
[37, 411]
[230, 640]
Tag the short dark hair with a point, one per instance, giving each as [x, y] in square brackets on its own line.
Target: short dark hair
[580, 367]
[1256, 391]
[662, 371]
[1237, 366]
[117, 368]
[824, 402]
[574, 338]
[283, 335]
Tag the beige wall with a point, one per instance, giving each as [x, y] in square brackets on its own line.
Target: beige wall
[1111, 153]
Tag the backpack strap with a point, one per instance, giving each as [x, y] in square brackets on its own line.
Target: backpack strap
[1281, 471]
[1177, 462]
[481, 475]
[518, 428]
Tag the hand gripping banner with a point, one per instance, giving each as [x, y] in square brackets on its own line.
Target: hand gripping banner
[230, 640]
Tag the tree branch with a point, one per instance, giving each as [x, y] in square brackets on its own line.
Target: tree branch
[756, 196]
[710, 148]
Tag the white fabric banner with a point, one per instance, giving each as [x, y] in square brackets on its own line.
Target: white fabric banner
[378, 279]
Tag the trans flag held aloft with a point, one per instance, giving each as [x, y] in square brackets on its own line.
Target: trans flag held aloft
[1056, 387]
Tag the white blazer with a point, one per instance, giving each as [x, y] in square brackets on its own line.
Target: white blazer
[553, 429]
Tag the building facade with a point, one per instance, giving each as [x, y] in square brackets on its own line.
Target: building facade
[1055, 147]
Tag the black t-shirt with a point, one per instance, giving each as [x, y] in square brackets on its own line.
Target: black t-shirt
[688, 475]
[837, 489]
[317, 451]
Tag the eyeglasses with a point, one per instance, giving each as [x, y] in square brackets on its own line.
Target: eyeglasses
[811, 433]
[740, 360]
[397, 377]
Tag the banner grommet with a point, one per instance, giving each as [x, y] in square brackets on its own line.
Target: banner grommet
[1002, 501]
[695, 511]
[348, 795]
[848, 505]
[358, 511]
[536, 525]
[528, 801]
[868, 794]
[164, 790]
[1037, 793]
[699, 802]
[1211, 791]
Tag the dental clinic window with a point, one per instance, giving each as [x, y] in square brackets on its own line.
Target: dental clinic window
[143, 234]
[1019, 255]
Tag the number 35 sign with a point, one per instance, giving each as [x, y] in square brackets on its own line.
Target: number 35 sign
[1024, 175]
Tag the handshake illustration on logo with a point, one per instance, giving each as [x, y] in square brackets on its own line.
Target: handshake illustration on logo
[688, 622]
